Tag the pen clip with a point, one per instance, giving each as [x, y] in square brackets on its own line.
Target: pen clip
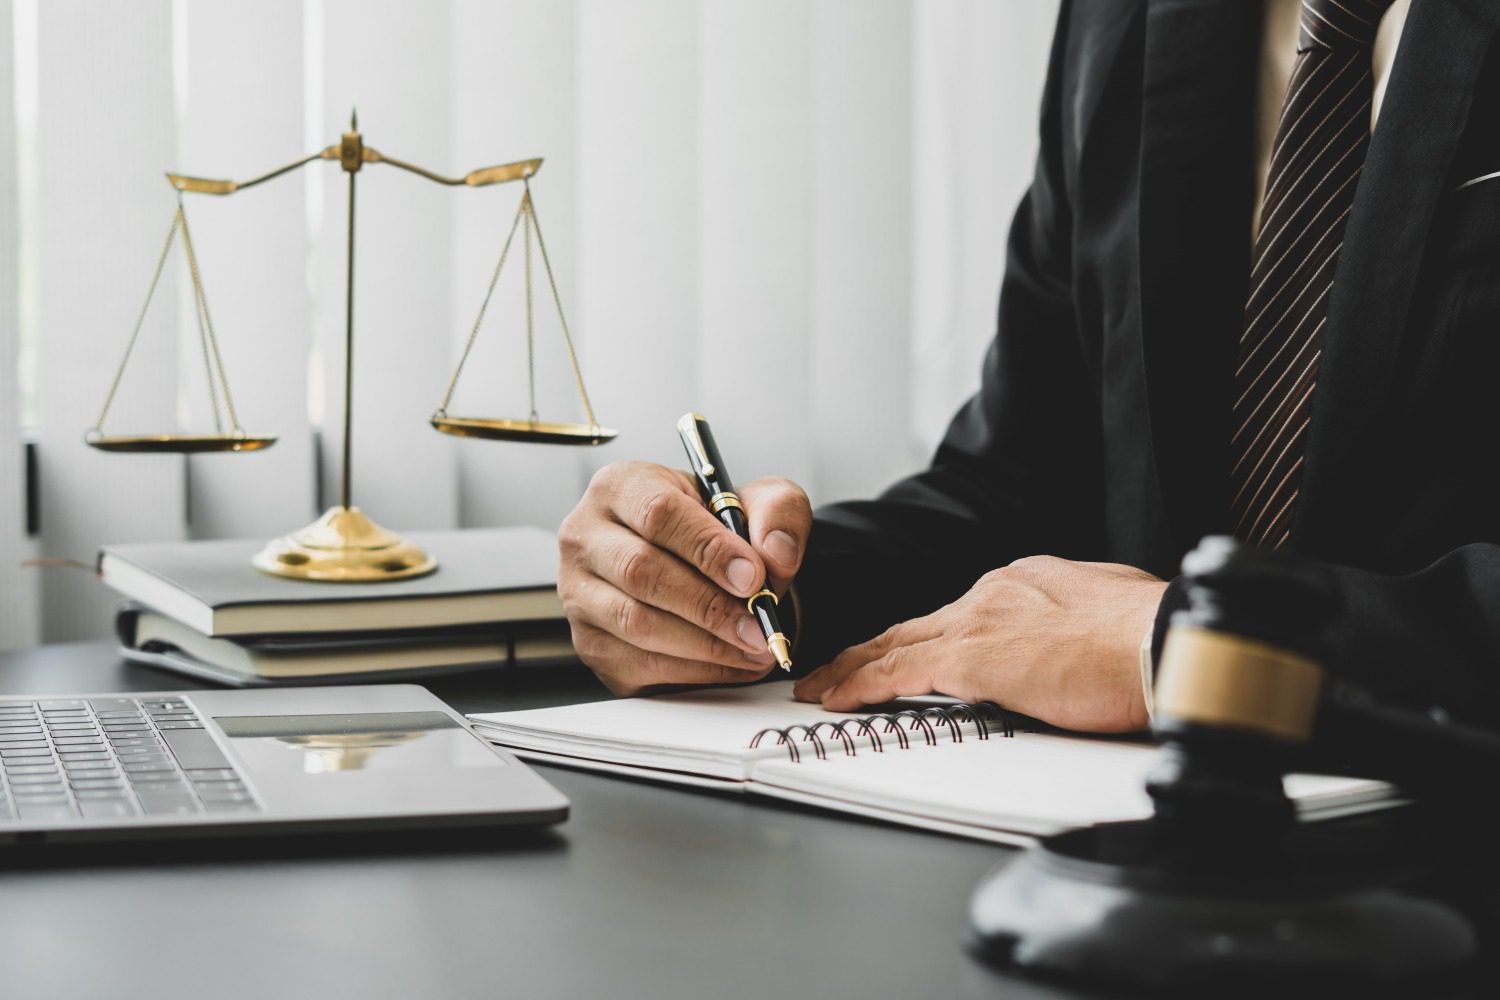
[687, 426]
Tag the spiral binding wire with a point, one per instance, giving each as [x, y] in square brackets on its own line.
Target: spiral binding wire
[986, 717]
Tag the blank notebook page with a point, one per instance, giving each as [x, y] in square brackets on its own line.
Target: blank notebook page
[705, 732]
[1032, 783]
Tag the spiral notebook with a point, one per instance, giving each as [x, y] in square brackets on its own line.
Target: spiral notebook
[937, 764]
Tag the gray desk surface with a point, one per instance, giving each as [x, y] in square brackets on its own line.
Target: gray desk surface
[645, 891]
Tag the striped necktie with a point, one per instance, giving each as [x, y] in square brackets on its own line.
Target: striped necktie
[1316, 159]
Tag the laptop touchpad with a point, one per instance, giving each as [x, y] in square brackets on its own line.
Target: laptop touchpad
[368, 741]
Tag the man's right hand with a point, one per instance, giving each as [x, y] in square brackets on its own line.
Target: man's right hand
[654, 585]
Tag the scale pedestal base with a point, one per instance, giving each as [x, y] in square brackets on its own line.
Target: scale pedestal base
[1098, 908]
[344, 546]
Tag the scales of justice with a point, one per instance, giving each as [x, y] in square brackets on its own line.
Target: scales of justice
[345, 545]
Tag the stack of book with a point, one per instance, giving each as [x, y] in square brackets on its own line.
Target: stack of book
[200, 608]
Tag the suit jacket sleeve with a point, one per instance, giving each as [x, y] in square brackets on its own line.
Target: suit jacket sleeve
[1018, 470]
[1429, 639]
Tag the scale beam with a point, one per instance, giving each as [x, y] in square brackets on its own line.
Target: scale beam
[483, 177]
[205, 185]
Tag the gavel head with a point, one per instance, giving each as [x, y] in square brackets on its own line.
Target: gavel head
[1238, 688]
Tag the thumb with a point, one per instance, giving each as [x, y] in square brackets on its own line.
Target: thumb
[780, 519]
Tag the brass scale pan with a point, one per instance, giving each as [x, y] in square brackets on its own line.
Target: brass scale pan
[537, 431]
[181, 444]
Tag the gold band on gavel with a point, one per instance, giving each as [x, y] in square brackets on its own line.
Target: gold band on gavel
[722, 501]
[1227, 681]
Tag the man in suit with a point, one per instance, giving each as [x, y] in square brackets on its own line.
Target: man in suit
[1254, 289]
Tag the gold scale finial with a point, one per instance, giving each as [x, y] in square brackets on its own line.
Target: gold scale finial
[345, 545]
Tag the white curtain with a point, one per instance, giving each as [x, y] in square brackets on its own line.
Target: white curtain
[787, 215]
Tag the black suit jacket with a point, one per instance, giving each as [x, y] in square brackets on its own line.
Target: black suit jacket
[1101, 429]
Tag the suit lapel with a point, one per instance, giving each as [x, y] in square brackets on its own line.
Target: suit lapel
[1197, 185]
[1426, 106]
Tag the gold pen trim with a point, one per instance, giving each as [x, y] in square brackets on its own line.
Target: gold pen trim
[723, 501]
[750, 601]
[780, 649]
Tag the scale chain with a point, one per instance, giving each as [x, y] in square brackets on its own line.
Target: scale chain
[530, 337]
[208, 367]
[161, 263]
[206, 330]
[541, 245]
[484, 305]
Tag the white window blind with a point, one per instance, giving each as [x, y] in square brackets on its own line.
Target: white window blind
[788, 215]
[105, 130]
[242, 96]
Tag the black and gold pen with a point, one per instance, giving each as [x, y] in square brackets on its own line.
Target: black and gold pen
[718, 493]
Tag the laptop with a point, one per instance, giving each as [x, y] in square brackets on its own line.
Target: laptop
[242, 762]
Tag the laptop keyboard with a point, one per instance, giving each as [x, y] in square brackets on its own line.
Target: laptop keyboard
[112, 758]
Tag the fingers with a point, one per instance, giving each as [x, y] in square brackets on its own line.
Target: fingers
[666, 511]
[815, 685]
[637, 623]
[627, 670]
[903, 672]
[655, 577]
[654, 585]
[780, 519]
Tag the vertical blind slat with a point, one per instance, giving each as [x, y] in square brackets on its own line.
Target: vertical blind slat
[978, 71]
[514, 97]
[245, 95]
[637, 209]
[17, 608]
[863, 174]
[390, 59]
[754, 234]
[103, 209]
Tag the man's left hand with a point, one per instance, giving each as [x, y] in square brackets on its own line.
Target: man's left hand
[1050, 638]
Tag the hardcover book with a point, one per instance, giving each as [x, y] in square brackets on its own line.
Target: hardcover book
[484, 576]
